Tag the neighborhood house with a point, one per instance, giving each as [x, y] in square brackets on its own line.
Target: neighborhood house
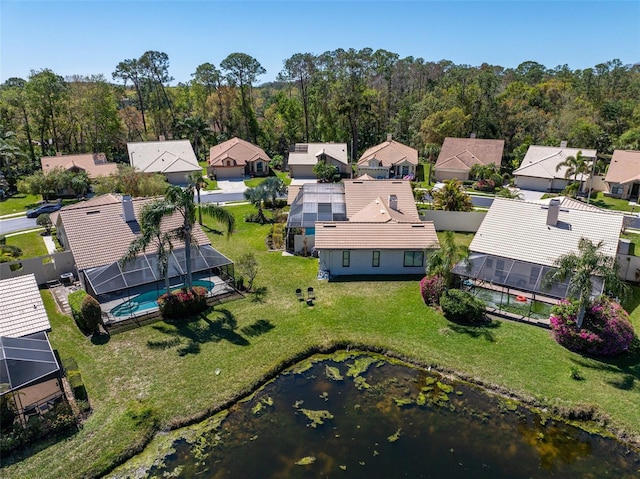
[29, 371]
[304, 156]
[99, 231]
[236, 158]
[389, 160]
[94, 164]
[174, 159]
[623, 175]
[458, 155]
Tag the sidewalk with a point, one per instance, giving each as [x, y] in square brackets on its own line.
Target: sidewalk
[12, 215]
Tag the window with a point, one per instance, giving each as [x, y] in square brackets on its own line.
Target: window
[259, 166]
[413, 258]
[405, 170]
[617, 189]
[375, 259]
[346, 259]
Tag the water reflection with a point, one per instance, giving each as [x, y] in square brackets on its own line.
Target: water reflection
[361, 416]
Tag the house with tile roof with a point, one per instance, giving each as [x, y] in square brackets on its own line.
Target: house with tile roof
[98, 233]
[518, 243]
[623, 175]
[540, 170]
[304, 156]
[362, 227]
[458, 155]
[29, 371]
[175, 159]
[237, 158]
[95, 164]
[390, 159]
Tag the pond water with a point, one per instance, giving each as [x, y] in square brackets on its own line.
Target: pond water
[364, 416]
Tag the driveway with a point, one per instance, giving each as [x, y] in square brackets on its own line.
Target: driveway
[530, 195]
[230, 186]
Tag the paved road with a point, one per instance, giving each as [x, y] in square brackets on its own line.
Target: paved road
[17, 224]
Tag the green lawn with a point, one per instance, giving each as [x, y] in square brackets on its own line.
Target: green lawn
[168, 370]
[31, 244]
[611, 203]
[19, 203]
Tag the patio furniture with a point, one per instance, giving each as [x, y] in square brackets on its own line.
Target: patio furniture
[310, 294]
[299, 294]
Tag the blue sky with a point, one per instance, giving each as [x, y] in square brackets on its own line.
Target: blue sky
[90, 37]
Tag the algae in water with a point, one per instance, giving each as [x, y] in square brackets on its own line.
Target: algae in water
[333, 373]
[305, 461]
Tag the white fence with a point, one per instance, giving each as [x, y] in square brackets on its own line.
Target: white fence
[462, 221]
[45, 268]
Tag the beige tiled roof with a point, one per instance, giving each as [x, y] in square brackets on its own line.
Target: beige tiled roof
[571, 203]
[462, 153]
[379, 211]
[21, 308]
[163, 156]
[624, 167]
[365, 177]
[236, 149]
[292, 192]
[359, 194]
[98, 235]
[337, 151]
[390, 153]
[390, 235]
[518, 230]
[94, 164]
[542, 161]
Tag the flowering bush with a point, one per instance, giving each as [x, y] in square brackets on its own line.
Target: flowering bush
[431, 288]
[485, 185]
[606, 329]
[183, 303]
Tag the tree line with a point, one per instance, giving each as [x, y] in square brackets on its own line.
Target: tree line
[352, 96]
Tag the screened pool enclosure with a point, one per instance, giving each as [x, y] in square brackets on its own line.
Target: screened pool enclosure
[515, 286]
[113, 284]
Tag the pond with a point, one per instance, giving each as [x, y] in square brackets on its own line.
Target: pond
[366, 416]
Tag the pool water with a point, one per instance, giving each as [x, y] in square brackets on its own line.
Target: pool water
[510, 303]
[148, 301]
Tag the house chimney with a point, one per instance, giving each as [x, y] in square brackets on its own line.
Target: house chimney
[393, 202]
[563, 144]
[389, 136]
[472, 135]
[552, 213]
[127, 209]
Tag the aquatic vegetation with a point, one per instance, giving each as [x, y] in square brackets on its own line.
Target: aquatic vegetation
[361, 383]
[395, 436]
[305, 461]
[316, 417]
[401, 402]
[261, 405]
[324, 396]
[333, 373]
[360, 366]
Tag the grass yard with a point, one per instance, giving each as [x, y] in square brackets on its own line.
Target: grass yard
[19, 203]
[609, 203]
[31, 244]
[163, 375]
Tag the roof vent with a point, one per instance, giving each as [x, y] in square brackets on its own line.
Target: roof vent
[563, 144]
[127, 209]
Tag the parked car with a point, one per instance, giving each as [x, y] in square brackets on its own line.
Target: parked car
[45, 208]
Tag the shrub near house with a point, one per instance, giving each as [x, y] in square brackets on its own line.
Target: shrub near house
[606, 330]
[183, 303]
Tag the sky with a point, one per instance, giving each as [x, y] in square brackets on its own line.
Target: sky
[92, 37]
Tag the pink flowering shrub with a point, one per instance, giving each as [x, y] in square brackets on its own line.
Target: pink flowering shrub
[431, 288]
[485, 185]
[183, 303]
[606, 329]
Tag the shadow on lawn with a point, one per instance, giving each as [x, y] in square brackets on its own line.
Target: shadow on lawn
[258, 328]
[626, 366]
[188, 335]
[483, 331]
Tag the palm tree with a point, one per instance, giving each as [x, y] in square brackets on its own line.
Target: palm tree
[581, 268]
[431, 150]
[442, 261]
[257, 196]
[180, 200]
[196, 129]
[274, 187]
[197, 181]
[151, 232]
[452, 197]
[576, 165]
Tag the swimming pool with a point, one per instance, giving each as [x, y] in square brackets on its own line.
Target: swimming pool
[148, 301]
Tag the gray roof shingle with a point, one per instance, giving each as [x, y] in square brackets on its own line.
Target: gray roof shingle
[21, 308]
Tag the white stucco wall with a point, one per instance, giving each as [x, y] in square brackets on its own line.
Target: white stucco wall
[463, 221]
[391, 262]
[441, 174]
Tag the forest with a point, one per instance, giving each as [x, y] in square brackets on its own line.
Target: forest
[351, 96]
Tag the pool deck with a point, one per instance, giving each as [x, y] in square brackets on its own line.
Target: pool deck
[220, 289]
